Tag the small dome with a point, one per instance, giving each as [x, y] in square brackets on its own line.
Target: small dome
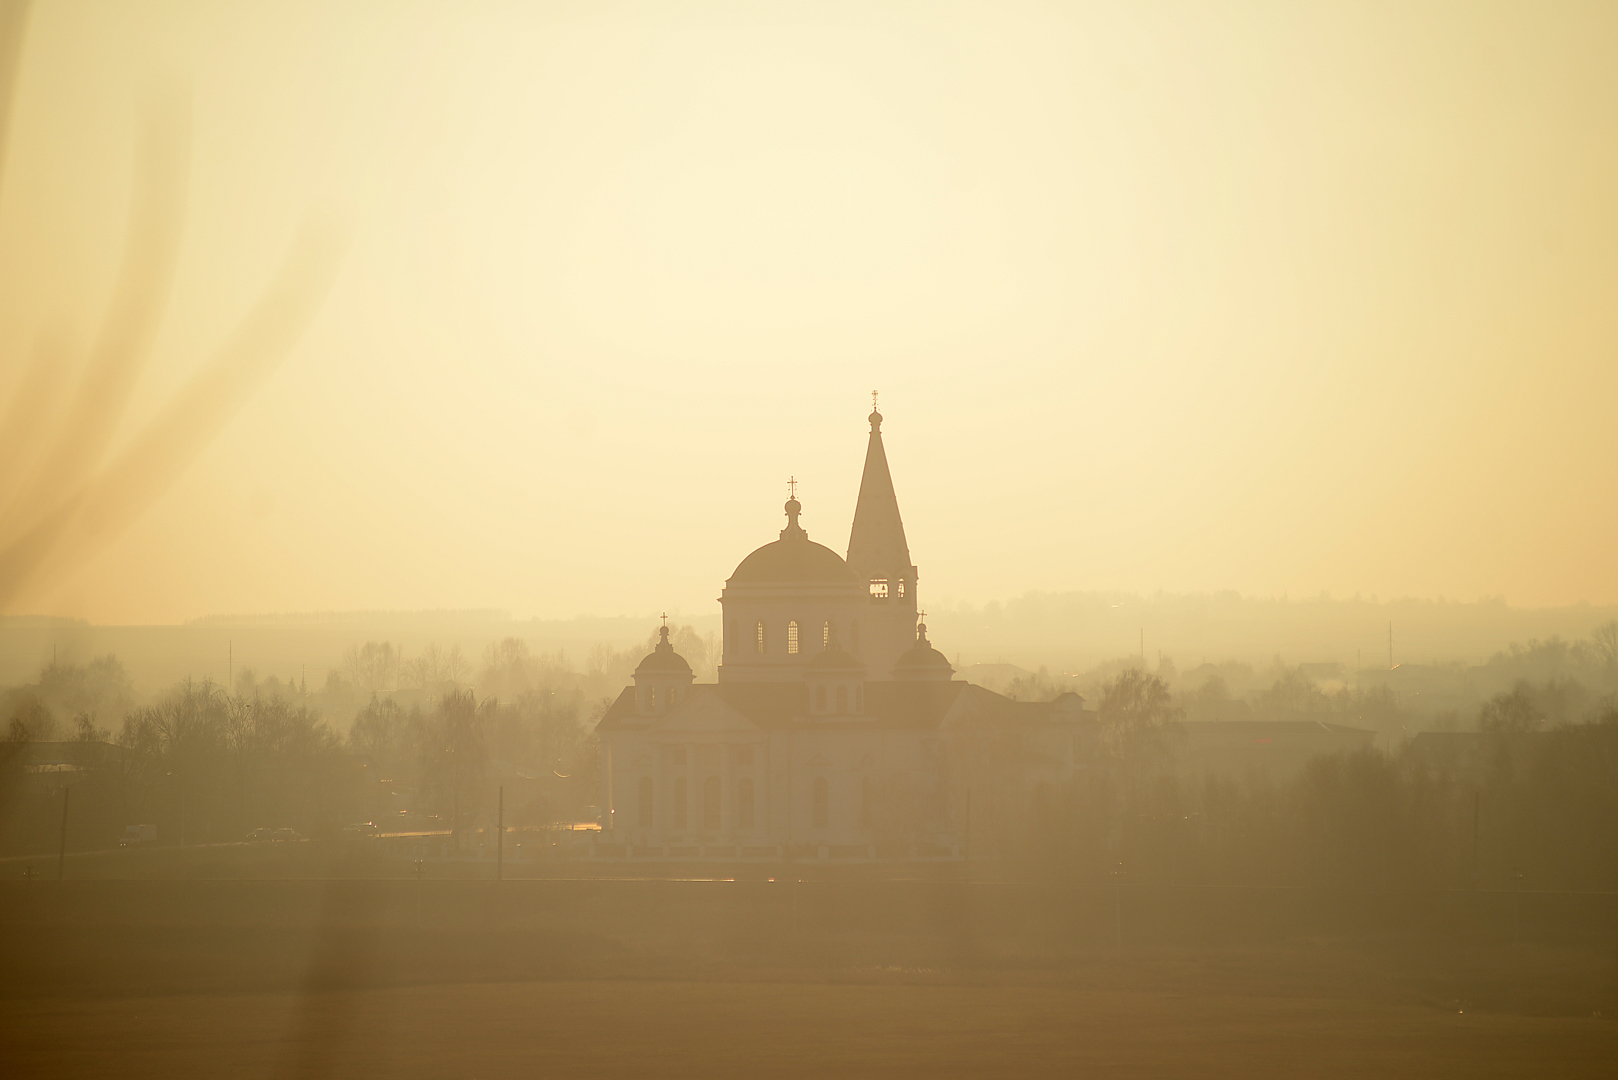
[922, 661]
[663, 660]
[794, 557]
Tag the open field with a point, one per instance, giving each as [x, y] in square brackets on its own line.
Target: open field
[261, 976]
[672, 1028]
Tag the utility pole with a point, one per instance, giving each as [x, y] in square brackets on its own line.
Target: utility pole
[61, 854]
[500, 837]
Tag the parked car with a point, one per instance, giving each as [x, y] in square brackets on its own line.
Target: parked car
[258, 835]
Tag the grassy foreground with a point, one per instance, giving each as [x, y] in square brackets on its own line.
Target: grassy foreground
[856, 976]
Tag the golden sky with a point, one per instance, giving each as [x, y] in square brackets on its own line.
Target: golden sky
[1278, 298]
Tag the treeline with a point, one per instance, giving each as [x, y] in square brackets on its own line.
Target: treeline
[1516, 803]
[1558, 682]
[205, 765]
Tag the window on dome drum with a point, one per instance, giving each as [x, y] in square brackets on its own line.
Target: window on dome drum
[671, 697]
[710, 804]
[820, 699]
[744, 805]
[822, 808]
[651, 699]
[645, 801]
[842, 699]
[901, 588]
[679, 802]
[879, 588]
[792, 639]
[825, 634]
[759, 638]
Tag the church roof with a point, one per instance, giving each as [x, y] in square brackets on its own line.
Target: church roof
[876, 544]
[888, 706]
[793, 558]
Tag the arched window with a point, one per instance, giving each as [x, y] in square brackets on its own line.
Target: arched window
[825, 634]
[842, 699]
[820, 699]
[744, 805]
[651, 699]
[854, 637]
[901, 588]
[671, 697]
[645, 801]
[822, 803]
[679, 802]
[792, 639]
[710, 804]
[758, 637]
[865, 802]
[859, 699]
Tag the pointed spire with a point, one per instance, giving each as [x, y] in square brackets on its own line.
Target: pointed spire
[876, 544]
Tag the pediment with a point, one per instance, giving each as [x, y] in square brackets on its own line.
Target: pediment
[703, 712]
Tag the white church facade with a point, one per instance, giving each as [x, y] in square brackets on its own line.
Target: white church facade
[835, 729]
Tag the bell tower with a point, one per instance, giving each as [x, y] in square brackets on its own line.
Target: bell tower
[880, 557]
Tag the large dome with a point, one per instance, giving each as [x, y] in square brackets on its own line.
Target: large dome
[793, 559]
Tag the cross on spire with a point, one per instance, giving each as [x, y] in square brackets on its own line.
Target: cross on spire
[792, 487]
[873, 401]
[665, 618]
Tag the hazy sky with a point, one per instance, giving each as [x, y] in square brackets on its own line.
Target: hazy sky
[1268, 297]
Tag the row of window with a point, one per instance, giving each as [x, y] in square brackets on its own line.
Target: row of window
[669, 698]
[841, 697]
[710, 804]
[795, 637]
[820, 803]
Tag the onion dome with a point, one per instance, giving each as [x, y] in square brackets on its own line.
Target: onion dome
[663, 660]
[793, 558]
[921, 662]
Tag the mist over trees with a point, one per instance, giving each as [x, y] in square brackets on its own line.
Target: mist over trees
[423, 741]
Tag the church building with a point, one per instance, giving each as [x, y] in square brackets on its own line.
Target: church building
[835, 729]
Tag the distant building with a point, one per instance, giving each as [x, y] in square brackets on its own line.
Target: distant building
[835, 728]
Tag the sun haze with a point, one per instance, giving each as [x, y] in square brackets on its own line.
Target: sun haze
[1267, 297]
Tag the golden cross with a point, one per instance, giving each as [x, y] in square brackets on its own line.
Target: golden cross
[873, 401]
[792, 487]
